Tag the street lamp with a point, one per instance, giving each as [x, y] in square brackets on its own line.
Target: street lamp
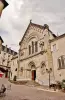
[49, 71]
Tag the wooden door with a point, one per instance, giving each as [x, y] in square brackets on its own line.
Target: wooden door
[33, 74]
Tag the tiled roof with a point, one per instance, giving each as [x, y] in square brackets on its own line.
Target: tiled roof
[9, 50]
[58, 37]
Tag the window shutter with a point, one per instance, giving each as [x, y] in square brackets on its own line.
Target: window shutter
[59, 63]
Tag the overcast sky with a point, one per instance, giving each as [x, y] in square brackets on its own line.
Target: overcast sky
[16, 17]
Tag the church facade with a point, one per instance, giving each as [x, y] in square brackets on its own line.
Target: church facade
[35, 56]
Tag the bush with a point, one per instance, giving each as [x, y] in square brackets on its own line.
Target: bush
[63, 80]
[14, 78]
[63, 84]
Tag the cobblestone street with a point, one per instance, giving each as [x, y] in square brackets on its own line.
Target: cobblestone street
[21, 92]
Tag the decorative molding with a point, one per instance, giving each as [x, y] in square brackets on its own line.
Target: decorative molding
[30, 56]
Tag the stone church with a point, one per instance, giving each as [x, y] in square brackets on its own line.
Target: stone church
[35, 56]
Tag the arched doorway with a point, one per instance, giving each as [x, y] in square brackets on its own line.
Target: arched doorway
[33, 70]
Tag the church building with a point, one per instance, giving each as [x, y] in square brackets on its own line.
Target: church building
[35, 56]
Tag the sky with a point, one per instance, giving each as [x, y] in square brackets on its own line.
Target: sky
[16, 17]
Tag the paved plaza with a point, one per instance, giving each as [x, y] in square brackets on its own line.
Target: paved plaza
[22, 92]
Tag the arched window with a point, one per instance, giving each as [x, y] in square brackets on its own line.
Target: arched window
[32, 47]
[61, 62]
[36, 46]
[29, 49]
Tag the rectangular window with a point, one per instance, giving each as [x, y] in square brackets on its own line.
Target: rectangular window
[36, 46]
[54, 47]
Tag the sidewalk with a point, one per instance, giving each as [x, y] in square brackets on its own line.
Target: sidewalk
[43, 88]
[38, 86]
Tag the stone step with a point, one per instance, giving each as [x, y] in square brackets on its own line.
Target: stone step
[33, 83]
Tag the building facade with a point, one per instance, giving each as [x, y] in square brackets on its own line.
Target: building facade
[6, 55]
[14, 67]
[35, 54]
[58, 55]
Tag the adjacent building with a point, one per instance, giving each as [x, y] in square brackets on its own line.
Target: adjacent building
[58, 55]
[14, 67]
[6, 54]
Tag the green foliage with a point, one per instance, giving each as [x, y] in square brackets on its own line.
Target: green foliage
[63, 83]
[63, 80]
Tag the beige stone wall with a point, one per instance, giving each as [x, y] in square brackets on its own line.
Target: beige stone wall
[4, 58]
[60, 50]
[14, 66]
[40, 35]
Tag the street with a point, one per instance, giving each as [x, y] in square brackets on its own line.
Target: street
[22, 92]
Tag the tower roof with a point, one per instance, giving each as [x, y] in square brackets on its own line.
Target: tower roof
[1, 39]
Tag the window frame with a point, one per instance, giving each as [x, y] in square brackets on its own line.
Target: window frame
[54, 47]
[61, 62]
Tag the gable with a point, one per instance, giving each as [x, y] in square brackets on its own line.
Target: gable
[36, 28]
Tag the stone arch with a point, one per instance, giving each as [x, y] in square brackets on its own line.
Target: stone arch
[32, 67]
[31, 36]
